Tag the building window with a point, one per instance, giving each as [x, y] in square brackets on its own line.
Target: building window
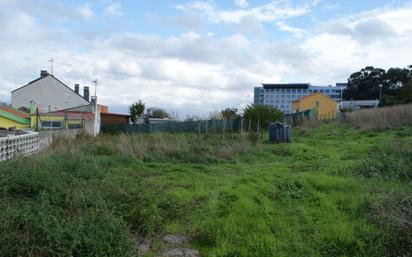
[51, 124]
[75, 126]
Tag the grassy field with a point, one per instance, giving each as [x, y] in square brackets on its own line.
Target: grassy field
[335, 191]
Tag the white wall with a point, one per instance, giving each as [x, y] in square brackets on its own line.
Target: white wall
[26, 144]
[47, 92]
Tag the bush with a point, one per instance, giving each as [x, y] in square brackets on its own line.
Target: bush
[390, 161]
[293, 189]
[393, 214]
[385, 117]
[261, 115]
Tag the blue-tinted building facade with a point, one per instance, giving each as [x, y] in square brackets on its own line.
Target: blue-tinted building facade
[280, 96]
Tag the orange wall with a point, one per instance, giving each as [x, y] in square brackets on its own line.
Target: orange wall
[104, 109]
[326, 109]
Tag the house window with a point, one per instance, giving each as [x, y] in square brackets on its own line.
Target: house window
[74, 126]
[51, 124]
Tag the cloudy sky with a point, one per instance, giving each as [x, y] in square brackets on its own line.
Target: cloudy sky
[194, 57]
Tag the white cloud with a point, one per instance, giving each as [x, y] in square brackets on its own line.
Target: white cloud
[241, 3]
[296, 32]
[114, 9]
[197, 73]
[272, 11]
[86, 11]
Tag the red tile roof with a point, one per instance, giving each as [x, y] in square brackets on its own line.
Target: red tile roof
[15, 112]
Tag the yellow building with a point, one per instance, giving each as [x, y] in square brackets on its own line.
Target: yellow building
[58, 120]
[72, 118]
[323, 107]
[10, 118]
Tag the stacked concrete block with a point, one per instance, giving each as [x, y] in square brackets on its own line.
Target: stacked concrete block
[19, 145]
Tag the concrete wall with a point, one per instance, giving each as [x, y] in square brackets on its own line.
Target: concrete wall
[12, 145]
[47, 136]
[46, 92]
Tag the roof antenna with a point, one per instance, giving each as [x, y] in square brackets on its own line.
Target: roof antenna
[96, 83]
[51, 66]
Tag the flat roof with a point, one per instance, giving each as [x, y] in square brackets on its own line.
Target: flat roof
[114, 114]
[287, 85]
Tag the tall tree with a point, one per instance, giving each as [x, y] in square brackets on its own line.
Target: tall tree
[230, 113]
[136, 109]
[395, 76]
[405, 93]
[364, 84]
[160, 113]
[265, 114]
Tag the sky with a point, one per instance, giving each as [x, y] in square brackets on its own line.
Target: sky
[195, 57]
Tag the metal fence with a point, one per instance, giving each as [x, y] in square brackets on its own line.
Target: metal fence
[198, 126]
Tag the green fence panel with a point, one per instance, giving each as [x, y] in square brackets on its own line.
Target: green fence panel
[201, 126]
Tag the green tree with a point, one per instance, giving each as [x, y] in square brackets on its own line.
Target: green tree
[364, 84]
[404, 95]
[230, 113]
[265, 114]
[136, 109]
[395, 75]
[160, 113]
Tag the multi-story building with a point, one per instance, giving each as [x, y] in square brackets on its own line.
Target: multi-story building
[281, 96]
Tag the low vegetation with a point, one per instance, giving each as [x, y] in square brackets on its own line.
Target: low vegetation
[382, 118]
[335, 191]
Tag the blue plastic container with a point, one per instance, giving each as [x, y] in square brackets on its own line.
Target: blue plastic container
[280, 133]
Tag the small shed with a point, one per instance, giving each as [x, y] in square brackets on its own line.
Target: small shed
[114, 118]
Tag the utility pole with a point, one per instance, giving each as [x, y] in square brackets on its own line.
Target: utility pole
[96, 83]
[51, 66]
[96, 107]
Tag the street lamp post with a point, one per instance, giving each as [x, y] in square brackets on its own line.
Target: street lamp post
[380, 92]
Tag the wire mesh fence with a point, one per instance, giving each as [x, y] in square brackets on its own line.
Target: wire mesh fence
[198, 126]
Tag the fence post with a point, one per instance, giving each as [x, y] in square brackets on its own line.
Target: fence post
[37, 119]
[250, 125]
[206, 126]
[241, 126]
[257, 127]
[224, 127]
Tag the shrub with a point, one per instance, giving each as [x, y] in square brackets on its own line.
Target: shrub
[293, 189]
[186, 148]
[385, 117]
[261, 115]
[393, 214]
[390, 161]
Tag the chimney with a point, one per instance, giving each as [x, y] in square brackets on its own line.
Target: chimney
[43, 73]
[86, 93]
[77, 88]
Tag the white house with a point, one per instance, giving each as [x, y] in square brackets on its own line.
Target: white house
[49, 93]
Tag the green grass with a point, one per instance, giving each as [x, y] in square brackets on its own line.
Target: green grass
[233, 198]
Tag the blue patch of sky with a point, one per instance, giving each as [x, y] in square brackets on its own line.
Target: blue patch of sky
[162, 17]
